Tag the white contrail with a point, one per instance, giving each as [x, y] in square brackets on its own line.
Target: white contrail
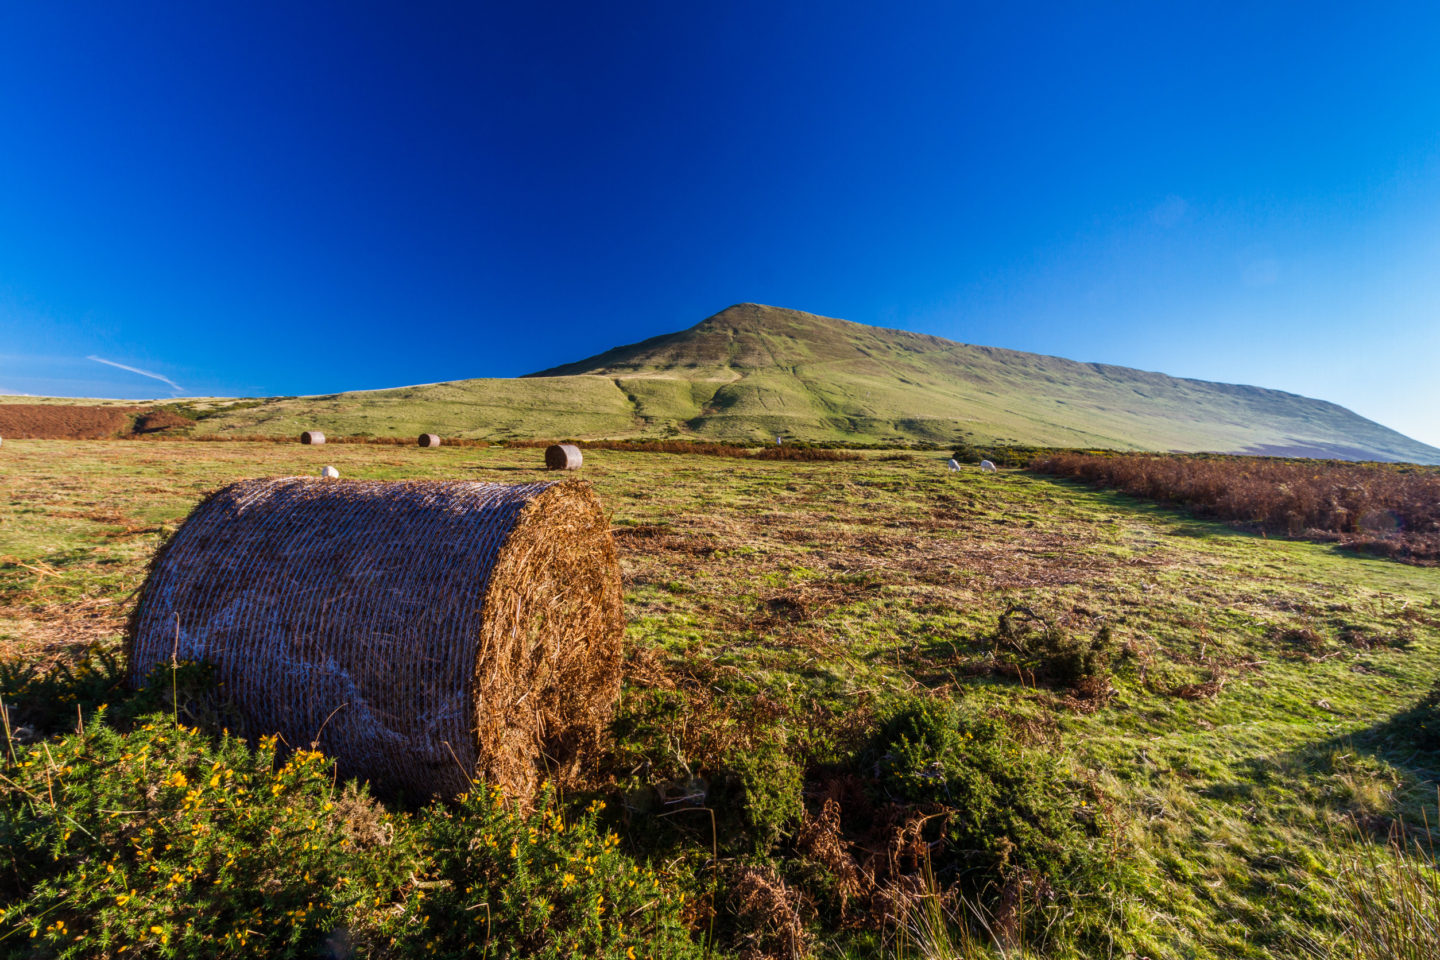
[144, 373]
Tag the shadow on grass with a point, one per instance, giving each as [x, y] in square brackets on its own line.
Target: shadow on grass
[1383, 777]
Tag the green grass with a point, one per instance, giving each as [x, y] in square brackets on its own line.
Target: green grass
[788, 607]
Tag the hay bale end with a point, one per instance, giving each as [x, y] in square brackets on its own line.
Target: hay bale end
[312, 436]
[429, 440]
[563, 456]
[424, 632]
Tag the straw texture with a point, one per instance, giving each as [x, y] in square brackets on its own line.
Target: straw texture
[425, 632]
[563, 456]
[312, 436]
[429, 440]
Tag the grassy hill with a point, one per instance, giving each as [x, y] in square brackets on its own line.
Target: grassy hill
[751, 372]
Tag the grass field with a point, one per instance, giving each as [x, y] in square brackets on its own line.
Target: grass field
[780, 613]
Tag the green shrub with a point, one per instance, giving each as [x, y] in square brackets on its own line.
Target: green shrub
[1009, 811]
[1039, 651]
[173, 843]
[770, 785]
[537, 885]
[46, 699]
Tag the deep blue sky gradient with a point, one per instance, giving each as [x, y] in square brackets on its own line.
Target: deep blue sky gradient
[268, 198]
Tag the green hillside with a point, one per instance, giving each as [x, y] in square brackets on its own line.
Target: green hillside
[751, 372]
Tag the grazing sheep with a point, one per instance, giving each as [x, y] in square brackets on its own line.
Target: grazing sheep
[331, 473]
[953, 464]
[987, 467]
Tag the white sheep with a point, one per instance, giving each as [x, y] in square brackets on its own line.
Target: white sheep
[330, 473]
[953, 464]
[987, 467]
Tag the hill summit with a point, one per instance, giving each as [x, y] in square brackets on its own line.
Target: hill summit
[753, 370]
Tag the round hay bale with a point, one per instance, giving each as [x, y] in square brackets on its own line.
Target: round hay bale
[429, 440]
[312, 436]
[330, 473]
[563, 456]
[424, 632]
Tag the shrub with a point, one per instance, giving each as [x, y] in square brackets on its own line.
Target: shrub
[1037, 650]
[770, 785]
[1010, 814]
[172, 844]
[536, 885]
[136, 831]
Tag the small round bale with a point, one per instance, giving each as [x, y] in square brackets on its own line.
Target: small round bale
[423, 632]
[330, 473]
[429, 440]
[563, 456]
[312, 436]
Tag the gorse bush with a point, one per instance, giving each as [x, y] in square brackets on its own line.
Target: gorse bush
[167, 843]
[506, 884]
[164, 841]
[770, 786]
[1036, 650]
[1011, 817]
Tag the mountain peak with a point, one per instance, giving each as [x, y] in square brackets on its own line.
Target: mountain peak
[754, 370]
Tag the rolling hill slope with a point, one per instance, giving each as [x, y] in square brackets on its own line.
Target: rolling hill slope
[751, 372]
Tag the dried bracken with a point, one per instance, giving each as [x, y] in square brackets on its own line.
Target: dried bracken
[1389, 509]
[770, 915]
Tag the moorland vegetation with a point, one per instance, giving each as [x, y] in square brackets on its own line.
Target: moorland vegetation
[871, 708]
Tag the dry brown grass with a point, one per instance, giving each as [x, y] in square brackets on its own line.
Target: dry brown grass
[64, 421]
[700, 448]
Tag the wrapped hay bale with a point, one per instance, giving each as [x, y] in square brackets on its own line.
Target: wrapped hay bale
[429, 440]
[312, 436]
[424, 632]
[563, 456]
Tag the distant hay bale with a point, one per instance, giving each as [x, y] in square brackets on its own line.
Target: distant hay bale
[429, 440]
[987, 467]
[563, 456]
[424, 632]
[312, 436]
[330, 473]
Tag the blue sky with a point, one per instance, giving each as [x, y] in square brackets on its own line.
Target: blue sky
[294, 198]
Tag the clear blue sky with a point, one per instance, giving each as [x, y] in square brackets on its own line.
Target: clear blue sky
[267, 198]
